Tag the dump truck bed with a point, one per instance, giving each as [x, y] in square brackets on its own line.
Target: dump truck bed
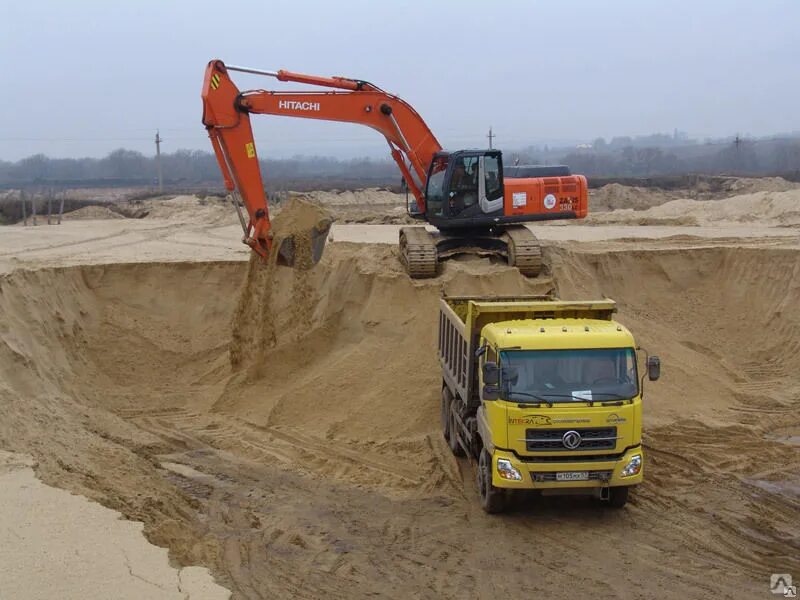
[461, 319]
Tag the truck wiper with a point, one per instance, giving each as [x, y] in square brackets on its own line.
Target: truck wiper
[534, 396]
[590, 401]
[614, 395]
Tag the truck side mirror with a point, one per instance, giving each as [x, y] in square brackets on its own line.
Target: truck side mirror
[490, 392]
[653, 368]
[491, 374]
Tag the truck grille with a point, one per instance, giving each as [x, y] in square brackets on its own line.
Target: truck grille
[591, 438]
[593, 476]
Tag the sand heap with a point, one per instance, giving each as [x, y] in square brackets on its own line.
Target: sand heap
[776, 209]
[93, 212]
[367, 196]
[615, 196]
[189, 209]
[367, 206]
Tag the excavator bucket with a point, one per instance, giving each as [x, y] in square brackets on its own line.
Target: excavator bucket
[303, 249]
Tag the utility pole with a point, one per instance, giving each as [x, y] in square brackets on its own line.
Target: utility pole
[491, 136]
[24, 210]
[159, 139]
[737, 142]
[61, 207]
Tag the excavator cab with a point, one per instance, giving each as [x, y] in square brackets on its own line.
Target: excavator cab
[464, 188]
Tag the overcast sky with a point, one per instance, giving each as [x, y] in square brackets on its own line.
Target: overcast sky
[82, 77]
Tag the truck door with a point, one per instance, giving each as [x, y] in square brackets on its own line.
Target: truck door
[492, 412]
[490, 185]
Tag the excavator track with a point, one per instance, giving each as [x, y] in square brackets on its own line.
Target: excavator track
[524, 250]
[418, 252]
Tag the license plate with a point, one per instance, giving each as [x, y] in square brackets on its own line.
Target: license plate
[573, 476]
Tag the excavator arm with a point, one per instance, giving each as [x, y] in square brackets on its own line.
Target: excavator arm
[226, 116]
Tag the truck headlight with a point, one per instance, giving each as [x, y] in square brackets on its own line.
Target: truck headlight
[507, 471]
[633, 467]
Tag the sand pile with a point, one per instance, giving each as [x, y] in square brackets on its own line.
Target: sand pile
[368, 196]
[190, 209]
[615, 196]
[781, 209]
[92, 212]
[368, 206]
[749, 185]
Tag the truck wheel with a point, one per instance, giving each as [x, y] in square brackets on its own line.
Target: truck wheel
[493, 500]
[444, 413]
[618, 496]
[452, 439]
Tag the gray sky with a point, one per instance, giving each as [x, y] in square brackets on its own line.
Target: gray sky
[85, 77]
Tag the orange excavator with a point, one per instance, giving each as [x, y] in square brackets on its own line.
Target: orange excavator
[476, 204]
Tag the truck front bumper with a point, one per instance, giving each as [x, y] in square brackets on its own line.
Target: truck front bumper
[545, 475]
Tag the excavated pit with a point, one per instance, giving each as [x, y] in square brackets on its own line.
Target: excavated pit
[315, 467]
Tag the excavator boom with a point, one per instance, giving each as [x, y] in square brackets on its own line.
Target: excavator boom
[226, 116]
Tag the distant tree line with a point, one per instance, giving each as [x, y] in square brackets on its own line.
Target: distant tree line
[621, 157]
[184, 167]
[624, 157]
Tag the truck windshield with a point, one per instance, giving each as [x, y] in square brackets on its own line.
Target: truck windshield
[555, 376]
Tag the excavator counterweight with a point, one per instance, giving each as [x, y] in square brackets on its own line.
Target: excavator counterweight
[463, 194]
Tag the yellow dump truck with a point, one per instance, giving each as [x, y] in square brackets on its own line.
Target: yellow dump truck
[544, 394]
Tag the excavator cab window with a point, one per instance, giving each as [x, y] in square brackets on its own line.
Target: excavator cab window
[464, 181]
[436, 190]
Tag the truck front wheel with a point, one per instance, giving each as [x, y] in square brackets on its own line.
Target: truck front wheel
[493, 500]
[618, 496]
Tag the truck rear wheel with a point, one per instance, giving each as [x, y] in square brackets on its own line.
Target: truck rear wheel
[452, 439]
[493, 500]
[444, 413]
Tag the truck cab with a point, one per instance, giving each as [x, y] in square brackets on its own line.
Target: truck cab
[554, 401]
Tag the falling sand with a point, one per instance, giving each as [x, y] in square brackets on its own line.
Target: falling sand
[254, 321]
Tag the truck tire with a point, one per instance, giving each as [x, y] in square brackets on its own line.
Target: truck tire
[618, 496]
[452, 439]
[493, 500]
[444, 413]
